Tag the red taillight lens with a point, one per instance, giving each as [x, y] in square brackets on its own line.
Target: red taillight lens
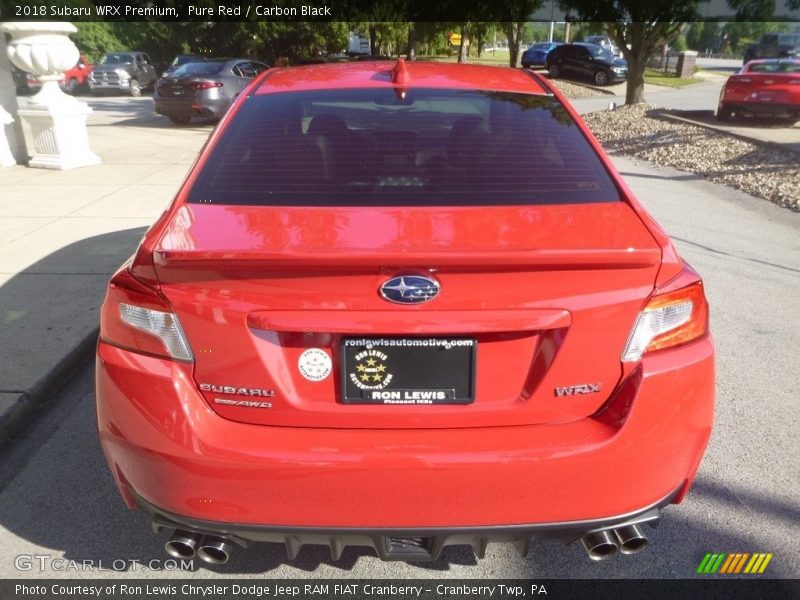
[205, 85]
[669, 319]
[137, 317]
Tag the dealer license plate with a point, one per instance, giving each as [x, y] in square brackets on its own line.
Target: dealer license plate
[408, 371]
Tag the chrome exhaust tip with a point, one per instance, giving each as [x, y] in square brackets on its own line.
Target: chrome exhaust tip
[215, 550]
[631, 539]
[599, 545]
[182, 544]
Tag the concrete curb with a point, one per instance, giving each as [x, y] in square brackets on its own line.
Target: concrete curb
[18, 408]
[721, 129]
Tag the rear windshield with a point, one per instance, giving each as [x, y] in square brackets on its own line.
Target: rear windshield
[182, 60]
[775, 67]
[198, 68]
[385, 147]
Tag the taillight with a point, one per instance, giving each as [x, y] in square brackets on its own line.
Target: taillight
[669, 319]
[137, 317]
[205, 85]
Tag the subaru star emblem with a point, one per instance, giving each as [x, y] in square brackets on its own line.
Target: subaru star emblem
[409, 289]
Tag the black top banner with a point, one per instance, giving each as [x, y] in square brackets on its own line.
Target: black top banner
[399, 10]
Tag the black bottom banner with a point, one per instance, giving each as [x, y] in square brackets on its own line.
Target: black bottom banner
[403, 589]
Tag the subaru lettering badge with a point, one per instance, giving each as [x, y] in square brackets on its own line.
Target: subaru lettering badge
[409, 289]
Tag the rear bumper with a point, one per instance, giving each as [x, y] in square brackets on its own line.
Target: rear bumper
[116, 86]
[421, 543]
[168, 449]
[763, 108]
[188, 107]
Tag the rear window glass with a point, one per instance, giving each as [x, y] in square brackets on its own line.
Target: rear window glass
[182, 60]
[198, 68]
[775, 67]
[384, 147]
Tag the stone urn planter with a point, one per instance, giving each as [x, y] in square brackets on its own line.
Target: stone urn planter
[55, 122]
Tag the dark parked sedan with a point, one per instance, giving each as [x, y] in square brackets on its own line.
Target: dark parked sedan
[204, 89]
[536, 55]
[588, 60]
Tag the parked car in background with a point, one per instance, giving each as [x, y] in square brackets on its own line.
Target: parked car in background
[181, 60]
[536, 55]
[766, 87]
[76, 77]
[20, 80]
[586, 60]
[403, 306]
[123, 72]
[774, 45]
[605, 42]
[204, 89]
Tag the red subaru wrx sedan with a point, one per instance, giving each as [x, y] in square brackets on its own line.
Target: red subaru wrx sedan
[404, 307]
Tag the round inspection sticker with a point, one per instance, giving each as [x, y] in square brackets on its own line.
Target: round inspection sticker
[314, 364]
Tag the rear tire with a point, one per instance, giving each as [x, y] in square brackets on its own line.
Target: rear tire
[724, 113]
[601, 77]
[554, 70]
[71, 85]
[180, 120]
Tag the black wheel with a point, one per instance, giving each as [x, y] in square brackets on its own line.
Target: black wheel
[71, 85]
[601, 77]
[554, 70]
[136, 88]
[180, 120]
[724, 113]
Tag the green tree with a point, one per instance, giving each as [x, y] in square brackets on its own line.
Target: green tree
[95, 39]
[639, 30]
[739, 34]
[704, 36]
[520, 11]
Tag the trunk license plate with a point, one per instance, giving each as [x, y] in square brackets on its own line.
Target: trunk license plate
[408, 370]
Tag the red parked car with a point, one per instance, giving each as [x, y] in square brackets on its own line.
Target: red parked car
[767, 87]
[76, 77]
[404, 306]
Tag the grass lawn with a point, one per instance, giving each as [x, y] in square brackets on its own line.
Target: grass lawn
[669, 79]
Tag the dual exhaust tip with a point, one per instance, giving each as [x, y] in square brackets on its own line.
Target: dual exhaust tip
[216, 550]
[209, 548]
[628, 539]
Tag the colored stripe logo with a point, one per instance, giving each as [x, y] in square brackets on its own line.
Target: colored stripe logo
[738, 562]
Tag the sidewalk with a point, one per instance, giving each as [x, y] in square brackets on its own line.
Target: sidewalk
[701, 96]
[63, 233]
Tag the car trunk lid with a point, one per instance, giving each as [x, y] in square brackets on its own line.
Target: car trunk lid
[541, 298]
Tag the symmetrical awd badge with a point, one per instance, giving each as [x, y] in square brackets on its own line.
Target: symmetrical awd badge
[409, 289]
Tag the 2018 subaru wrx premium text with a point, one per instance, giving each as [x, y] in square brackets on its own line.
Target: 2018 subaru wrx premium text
[404, 306]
